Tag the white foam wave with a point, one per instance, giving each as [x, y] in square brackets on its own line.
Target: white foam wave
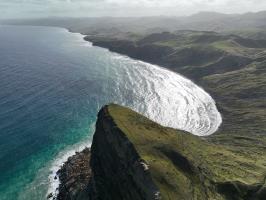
[61, 158]
[167, 97]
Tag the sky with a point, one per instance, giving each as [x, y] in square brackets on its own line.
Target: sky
[95, 8]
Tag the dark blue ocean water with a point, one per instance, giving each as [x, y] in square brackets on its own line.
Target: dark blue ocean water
[52, 84]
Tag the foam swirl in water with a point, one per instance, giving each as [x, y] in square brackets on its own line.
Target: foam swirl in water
[167, 97]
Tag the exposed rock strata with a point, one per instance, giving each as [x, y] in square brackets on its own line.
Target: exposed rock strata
[118, 170]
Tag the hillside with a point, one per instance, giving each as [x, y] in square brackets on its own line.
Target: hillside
[135, 158]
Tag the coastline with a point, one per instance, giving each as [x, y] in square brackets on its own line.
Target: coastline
[65, 160]
[140, 61]
[219, 117]
[208, 77]
[58, 163]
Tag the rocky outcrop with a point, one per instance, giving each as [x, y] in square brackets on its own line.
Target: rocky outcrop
[74, 176]
[118, 170]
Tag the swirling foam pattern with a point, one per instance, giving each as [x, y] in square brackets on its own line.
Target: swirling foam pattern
[165, 97]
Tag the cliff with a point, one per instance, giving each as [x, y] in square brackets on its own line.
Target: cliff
[119, 171]
[134, 158]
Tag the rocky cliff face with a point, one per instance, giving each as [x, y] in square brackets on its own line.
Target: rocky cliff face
[118, 170]
[133, 158]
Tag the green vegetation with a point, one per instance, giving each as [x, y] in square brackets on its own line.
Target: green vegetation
[228, 44]
[185, 166]
[255, 33]
[241, 98]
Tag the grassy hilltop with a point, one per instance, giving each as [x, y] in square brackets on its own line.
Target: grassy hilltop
[184, 166]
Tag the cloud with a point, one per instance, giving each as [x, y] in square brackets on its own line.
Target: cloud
[31, 8]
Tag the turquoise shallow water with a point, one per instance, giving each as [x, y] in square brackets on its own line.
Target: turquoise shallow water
[52, 84]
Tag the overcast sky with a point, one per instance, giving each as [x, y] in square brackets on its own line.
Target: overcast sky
[77, 8]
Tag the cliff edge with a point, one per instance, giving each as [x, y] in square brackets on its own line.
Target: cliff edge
[134, 158]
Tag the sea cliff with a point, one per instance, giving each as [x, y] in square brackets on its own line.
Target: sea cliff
[133, 158]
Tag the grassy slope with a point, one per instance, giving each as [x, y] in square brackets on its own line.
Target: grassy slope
[185, 166]
[242, 97]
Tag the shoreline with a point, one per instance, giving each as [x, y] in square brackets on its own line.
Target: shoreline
[59, 161]
[219, 116]
[161, 66]
[74, 175]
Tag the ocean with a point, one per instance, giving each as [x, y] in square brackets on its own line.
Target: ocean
[53, 83]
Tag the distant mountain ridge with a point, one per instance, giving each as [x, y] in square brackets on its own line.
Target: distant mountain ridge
[203, 21]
